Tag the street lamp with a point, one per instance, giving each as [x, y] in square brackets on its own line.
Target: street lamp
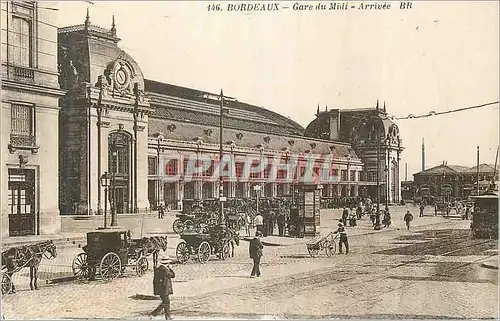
[105, 182]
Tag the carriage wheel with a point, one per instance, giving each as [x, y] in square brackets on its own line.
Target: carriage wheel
[6, 283]
[182, 252]
[141, 266]
[204, 251]
[188, 225]
[178, 226]
[330, 249]
[111, 266]
[81, 268]
[313, 252]
[224, 255]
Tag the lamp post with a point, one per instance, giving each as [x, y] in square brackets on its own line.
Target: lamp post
[159, 139]
[105, 182]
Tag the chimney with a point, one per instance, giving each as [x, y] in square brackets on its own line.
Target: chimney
[334, 124]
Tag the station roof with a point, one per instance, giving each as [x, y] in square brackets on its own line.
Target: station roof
[196, 106]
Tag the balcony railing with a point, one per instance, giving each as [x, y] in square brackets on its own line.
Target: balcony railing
[23, 74]
[23, 142]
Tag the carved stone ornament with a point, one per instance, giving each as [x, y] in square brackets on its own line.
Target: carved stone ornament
[122, 77]
[267, 139]
[239, 136]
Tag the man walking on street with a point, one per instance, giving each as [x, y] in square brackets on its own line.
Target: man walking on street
[160, 211]
[408, 218]
[343, 237]
[255, 249]
[162, 286]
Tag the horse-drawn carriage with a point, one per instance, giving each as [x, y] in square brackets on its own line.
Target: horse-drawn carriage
[108, 252]
[326, 243]
[218, 240]
[17, 258]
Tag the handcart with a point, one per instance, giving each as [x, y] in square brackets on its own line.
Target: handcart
[326, 243]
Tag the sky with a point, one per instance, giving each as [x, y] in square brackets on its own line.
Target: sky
[436, 56]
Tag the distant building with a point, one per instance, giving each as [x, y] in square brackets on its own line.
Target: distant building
[446, 182]
[29, 116]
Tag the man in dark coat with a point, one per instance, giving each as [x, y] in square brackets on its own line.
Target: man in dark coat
[255, 249]
[281, 224]
[162, 286]
[345, 215]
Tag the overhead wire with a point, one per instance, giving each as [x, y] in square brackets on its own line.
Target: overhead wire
[434, 113]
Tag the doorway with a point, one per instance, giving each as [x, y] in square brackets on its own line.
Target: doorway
[21, 184]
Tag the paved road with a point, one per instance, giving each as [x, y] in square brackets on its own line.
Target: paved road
[432, 270]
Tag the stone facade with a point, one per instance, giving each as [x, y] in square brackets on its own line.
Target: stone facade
[29, 116]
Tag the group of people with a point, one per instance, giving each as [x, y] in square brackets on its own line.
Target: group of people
[266, 222]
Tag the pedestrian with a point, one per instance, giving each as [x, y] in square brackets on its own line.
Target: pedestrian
[248, 222]
[255, 249]
[259, 223]
[343, 237]
[387, 218]
[271, 221]
[281, 224]
[422, 208]
[408, 218]
[162, 286]
[345, 215]
[160, 211]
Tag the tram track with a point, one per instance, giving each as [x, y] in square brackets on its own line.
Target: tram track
[285, 287]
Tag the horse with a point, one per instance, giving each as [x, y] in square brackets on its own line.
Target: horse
[153, 245]
[17, 258]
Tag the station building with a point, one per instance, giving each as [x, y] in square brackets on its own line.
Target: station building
[110, 118]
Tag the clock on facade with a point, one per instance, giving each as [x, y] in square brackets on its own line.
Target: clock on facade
[121, 76]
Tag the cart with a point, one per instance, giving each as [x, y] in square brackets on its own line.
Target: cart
[326, 243]
[107, 253]
[217, 241]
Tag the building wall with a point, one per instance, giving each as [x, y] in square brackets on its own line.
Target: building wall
[32, 81]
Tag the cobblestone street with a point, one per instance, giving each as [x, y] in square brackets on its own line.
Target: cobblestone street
[433, 270]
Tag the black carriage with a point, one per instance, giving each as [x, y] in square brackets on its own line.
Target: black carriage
[217, 241]
[107, 253]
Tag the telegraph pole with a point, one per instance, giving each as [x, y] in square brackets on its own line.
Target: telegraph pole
[477, 172]
[221, 183]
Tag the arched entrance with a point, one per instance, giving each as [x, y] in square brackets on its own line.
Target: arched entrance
[119, 165]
